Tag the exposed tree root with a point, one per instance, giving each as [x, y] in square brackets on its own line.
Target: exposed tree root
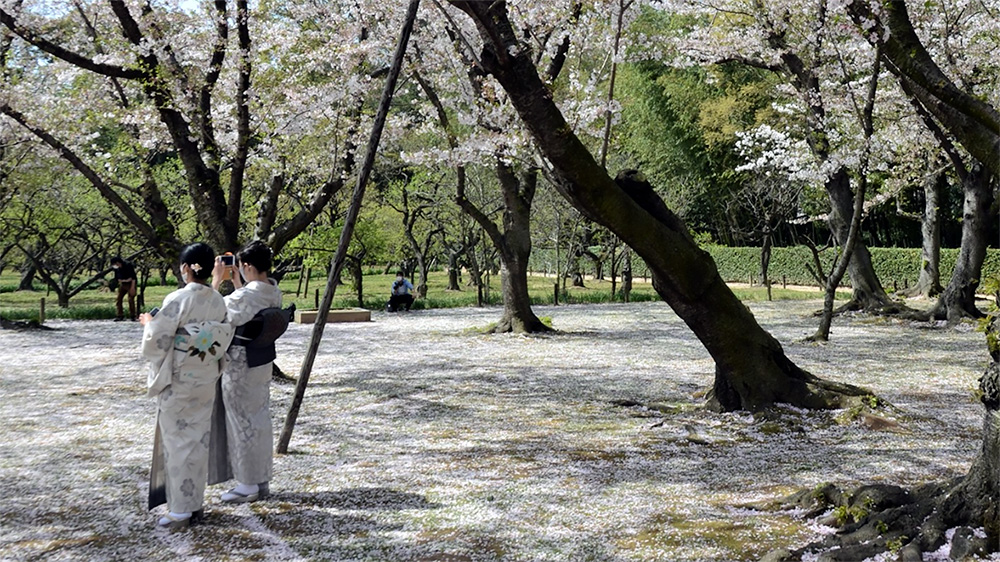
[951, 309]
[875, 519]
[509, 324]
[879, 308]
[952, 312]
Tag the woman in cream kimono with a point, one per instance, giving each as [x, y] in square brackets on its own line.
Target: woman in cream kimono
[185, 342]
[245, 389]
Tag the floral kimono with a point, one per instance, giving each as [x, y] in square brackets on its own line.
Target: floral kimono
[185, 344]
[245, 398]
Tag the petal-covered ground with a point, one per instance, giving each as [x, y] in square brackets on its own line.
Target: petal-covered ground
[422, 439]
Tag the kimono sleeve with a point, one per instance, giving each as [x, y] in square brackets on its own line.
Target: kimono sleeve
[240, 307]
[158, 345]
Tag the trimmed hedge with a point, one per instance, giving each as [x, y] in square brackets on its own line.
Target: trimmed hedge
[895, 267]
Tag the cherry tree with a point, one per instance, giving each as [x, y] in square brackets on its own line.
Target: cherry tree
[752, 371]
[820, 56]
[480, 128]
[237, 95]
[945, 60]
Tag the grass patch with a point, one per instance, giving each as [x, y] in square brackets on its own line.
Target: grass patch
[98, 303]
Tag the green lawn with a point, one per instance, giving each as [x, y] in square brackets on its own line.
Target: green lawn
[100, 303]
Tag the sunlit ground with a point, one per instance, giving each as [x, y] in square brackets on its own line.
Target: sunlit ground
[422, 439]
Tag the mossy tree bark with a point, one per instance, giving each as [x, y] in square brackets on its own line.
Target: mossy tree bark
[915, 521]
[958, 300]
[752, 370]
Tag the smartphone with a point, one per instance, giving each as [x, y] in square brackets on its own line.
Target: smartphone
[228, 259]
[154, 311]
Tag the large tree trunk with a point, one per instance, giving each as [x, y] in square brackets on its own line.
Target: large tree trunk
[513, 245]
[867, 289]
[959, 298]
[515, 250]
[517, 314]
[752, 370]
[929, 282]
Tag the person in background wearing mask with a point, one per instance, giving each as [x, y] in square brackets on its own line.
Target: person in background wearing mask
[400, 295]
[184, 341]
[245, 383]
[125, 276]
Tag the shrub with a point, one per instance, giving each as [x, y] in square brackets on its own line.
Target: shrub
[895, 267]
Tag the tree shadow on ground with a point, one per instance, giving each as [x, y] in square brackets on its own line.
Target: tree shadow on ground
[356, 498]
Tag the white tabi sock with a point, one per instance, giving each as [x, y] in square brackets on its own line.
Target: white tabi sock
[246, 489]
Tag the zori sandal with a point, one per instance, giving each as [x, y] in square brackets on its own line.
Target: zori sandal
[174, 523]
[232, 496]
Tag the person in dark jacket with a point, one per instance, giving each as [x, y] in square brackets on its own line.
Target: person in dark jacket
[400, 296]
[125, 276]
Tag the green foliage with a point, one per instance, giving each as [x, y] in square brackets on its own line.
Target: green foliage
[847, 514]
[85, 312]
[99, 303]
[896, 544]
[895, 267]
[680, 128]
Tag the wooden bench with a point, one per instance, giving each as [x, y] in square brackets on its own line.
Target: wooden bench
[341, 315]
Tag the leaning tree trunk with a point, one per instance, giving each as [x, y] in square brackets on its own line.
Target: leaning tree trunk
[867, 293]
[752, 370]
[959, 298]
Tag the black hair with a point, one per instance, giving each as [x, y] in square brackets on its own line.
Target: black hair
[118, 260]
[256, 254]
[200, 257]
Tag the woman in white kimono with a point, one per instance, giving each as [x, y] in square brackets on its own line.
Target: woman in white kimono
[184, 341]
[245, 389]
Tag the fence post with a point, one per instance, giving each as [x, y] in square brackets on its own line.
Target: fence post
[316, 300]
[555, 293]
[784, 282]
[41, 311]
